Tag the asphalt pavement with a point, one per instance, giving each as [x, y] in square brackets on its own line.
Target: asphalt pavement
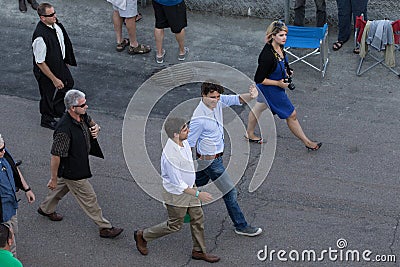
[338, 201]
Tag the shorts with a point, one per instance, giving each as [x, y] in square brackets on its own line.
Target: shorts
[173, 17]
[130, 11]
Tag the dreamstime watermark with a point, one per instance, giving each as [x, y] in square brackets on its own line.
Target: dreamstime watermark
[136, 138]
[340, 253]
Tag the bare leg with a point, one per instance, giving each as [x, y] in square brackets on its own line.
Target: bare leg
[131, 27]
[254, 115]
[180, 38]
[295, 128]
[159, 36]
[117, 20]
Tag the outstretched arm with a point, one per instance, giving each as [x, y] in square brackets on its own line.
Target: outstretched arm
[247, 97]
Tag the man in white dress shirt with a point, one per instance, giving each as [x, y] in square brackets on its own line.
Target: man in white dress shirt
[180, 193]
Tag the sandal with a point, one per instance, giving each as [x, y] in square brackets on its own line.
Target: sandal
[337, 45]
[138, 17]
[140, 49]
[121, 46]
[314, 148]
[257, 141]
[356, 50]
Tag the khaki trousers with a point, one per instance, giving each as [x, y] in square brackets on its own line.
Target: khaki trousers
[176, 216]
[84, 195]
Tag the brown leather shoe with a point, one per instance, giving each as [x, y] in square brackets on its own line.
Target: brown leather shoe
[141, 244]
[110, 232]
[52, 216]
[197, 255]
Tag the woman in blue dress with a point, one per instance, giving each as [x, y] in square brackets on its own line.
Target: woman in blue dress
[271, 79]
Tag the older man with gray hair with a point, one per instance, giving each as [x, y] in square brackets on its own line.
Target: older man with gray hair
[73, 140]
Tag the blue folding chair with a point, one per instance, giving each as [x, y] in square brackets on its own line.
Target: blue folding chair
[308, 38]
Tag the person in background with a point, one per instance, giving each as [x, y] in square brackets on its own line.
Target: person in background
[125, 12]
[348, 10]
[300, 11]
[52, 56]
[22, 5]
[170, 14]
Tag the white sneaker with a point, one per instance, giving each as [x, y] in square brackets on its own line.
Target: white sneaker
[249, 231]
[183, 57]
[160, 60]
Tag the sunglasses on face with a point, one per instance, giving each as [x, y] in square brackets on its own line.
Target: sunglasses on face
[80, 106]
[49, 15]
[3, 148]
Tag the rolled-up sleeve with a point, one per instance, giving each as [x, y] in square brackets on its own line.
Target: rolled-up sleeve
[39, 50]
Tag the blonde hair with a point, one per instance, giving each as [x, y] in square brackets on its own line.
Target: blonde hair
[1, 141]
[274, 28]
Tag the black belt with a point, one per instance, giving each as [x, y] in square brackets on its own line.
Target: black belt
[209, 157]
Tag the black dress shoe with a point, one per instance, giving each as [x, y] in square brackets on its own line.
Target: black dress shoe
[34, 4]
[22, 6]
[49, 124]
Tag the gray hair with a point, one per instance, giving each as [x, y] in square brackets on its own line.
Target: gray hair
[1, 140]
[71, 98]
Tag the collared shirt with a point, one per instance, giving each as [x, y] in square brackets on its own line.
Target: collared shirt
[177, 168]
[207, 128]
[39, 46]
[7, 191]
[61, 140]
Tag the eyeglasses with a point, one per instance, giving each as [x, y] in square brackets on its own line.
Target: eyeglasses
[3, 148]
[49, 15]
[80, 106]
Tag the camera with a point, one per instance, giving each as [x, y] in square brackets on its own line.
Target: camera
[291, 85]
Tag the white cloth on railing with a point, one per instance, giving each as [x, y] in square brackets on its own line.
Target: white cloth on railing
[380, 34]
[389, 47]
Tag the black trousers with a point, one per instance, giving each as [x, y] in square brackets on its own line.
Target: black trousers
[51, 99]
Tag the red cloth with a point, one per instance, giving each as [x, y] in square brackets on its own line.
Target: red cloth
[396, 31]
[360, 25]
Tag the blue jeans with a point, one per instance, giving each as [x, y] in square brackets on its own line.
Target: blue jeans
[348, 9]
[215, 170]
